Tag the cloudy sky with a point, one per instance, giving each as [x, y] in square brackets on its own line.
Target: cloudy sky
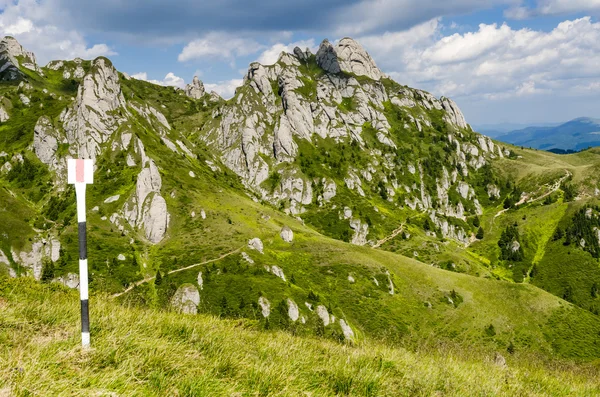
[517, 61]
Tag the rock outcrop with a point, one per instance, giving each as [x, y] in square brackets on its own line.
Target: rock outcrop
[97, 110]
[147, 209]
[256, 244]
[195, 89]
[10, 49]
[287, 234]
[186, 299]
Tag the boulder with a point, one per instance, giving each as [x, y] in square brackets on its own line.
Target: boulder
[287, 234]
[186, 299]
[348, 333]
[256, 244]
[323, 314]
[293, 311]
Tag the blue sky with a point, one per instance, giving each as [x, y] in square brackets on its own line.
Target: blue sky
[501, 60]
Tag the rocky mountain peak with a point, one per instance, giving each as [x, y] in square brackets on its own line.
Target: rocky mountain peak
[195, 89]
[91, 120]
[354, 59]
[347, 56]
[10, 49]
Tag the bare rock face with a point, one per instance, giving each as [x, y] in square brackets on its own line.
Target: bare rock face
[186, 299]
[45, 142]
[360, 232]
[40, 249]
[453, 114]
[10, 49]
[95, 115]
[147, 209]
[195, 89]
[327, 57]
[287, 234]
[354, 59]
[347, 56]
[156, 219]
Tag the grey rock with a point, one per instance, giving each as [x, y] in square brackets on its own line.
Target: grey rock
[195, 90]
[256, 244]
[287, 234]
[327, 57]
[265, 306]
[293, 311]
[186, 299]
[95, 114]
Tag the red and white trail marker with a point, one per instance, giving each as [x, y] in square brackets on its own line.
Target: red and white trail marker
[81, 173]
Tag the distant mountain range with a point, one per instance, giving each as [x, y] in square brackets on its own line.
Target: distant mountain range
[574, 135]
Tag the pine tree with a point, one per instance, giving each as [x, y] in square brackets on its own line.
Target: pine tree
[480, 233]
[158, 279]
[476, 222]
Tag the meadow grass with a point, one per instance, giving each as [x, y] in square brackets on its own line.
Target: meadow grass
[144, 352]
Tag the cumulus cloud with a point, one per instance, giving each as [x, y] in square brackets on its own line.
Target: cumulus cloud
[493, 62]
[169, 80]
[270, 55]
[219, 45]
[224, 88]
[24, 21]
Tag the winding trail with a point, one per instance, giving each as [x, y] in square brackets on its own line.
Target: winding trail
[525, 199]
[147, 279]
[388, 238]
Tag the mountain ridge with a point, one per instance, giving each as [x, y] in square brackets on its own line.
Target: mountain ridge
[321, 144]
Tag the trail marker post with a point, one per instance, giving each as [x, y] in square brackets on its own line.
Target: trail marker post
[81, 173]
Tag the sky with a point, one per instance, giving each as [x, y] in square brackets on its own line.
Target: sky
[502, 61]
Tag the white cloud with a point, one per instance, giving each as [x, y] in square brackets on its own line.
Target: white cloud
[170, 79]
[219, 45]
[270, 55]
[553, 7]
[493, 62]
[24, 20]
[224, 88]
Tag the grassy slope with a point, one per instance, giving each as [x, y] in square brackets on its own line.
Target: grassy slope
[145, 352]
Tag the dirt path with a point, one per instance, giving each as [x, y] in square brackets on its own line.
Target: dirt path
[526, 199]
[388, 238]
[147, 279]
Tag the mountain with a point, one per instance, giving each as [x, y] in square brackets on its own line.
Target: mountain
[575, 135]
[497, 130]
[324, 199]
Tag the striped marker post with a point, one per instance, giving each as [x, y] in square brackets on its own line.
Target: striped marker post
[81, 173]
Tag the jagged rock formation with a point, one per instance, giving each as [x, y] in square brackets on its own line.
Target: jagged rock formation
[10, 51]
[195, 89]
[259, 131]
[147, 209]
[98, 109]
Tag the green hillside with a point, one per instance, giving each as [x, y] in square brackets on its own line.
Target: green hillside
[344, 209]
[147, 352]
